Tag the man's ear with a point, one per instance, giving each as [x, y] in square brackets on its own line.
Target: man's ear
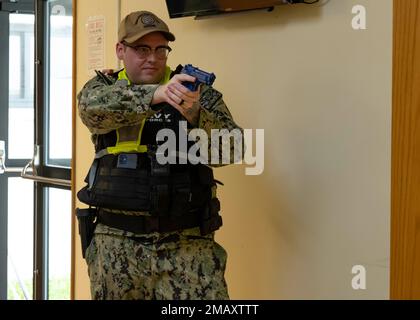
[120, 50]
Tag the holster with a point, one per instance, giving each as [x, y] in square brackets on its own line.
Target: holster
[87, 224]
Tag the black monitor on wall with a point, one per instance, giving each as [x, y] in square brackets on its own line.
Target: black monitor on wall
[184, 8]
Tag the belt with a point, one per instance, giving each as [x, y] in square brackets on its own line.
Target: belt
[152, 240]
[148, 224]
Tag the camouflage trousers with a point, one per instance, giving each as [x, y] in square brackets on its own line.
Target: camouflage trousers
[177, 266]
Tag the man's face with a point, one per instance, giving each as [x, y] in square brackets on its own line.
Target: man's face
[149, 70]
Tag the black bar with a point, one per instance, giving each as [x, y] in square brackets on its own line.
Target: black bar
[39, 279]
[39, 214]
[235, 309]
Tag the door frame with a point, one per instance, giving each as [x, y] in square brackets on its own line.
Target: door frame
[48, 175]
[4, 87]
[405, 166]
[73, 156]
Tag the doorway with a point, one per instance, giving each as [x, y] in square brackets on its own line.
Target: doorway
[36, 146]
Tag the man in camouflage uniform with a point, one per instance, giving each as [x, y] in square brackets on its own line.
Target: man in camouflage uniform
[181, 264]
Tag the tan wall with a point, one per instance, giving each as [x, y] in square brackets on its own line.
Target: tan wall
[322, 92]
[84, 148]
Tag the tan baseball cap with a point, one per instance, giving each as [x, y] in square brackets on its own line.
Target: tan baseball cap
[139, 23]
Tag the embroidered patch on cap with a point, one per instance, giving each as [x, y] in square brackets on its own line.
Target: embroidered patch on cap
[148, 20]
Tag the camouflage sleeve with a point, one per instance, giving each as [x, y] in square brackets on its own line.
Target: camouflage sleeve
[214, 114]
[104, 107]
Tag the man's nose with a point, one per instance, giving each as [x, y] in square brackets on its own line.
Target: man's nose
[151, 57]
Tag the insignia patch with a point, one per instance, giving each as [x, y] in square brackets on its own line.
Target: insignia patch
[148, 20]
[127, 161]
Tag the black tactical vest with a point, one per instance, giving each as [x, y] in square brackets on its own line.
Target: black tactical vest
[137, 182]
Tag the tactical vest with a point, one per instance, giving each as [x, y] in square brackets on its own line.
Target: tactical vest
[125, 175]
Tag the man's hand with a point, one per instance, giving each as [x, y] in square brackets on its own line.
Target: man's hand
[178, 96]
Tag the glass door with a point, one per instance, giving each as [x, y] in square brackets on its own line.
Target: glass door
[16, 148]
[35, 144]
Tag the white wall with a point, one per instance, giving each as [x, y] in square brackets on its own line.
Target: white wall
[322, 93]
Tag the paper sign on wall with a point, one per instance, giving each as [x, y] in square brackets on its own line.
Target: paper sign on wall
[96, 39]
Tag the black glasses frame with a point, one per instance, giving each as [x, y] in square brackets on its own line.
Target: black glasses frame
[151, 50]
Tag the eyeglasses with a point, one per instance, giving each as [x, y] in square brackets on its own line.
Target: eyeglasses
[143, 51]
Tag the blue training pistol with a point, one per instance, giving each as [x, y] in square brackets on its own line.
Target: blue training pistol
[200, 75]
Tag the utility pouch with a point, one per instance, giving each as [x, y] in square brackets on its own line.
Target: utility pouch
[87, 224]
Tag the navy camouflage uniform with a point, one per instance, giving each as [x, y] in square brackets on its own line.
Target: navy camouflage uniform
[173, 265]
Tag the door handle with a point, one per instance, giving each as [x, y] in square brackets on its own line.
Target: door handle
[35, 177]
[30, 167]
